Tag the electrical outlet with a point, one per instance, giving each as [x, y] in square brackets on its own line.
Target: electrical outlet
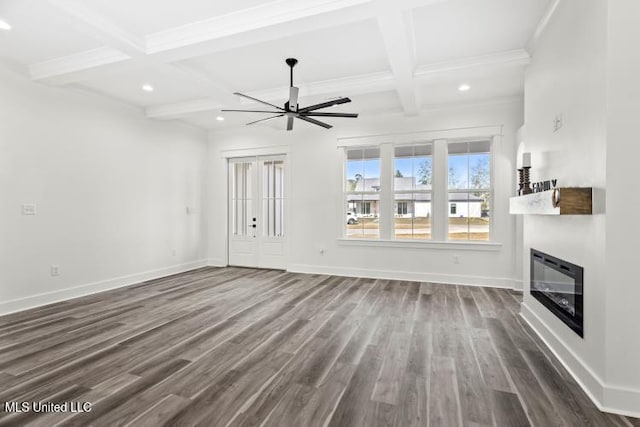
[55, 270]
[29, 209]
[456, 259]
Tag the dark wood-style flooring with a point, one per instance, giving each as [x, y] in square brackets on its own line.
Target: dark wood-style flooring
[232, 346]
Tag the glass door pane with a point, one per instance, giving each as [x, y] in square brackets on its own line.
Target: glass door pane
[242, 194]
[273, 198]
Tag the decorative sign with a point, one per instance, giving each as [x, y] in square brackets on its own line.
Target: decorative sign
[544, 185]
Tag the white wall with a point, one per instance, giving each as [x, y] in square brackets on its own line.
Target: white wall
[568, 76]
[623, 153]
[111, 190]
[316, 215]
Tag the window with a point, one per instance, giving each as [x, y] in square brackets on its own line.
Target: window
[469, 186]
[402, 208]
[413, 167]
[428, 190]
[362, 192]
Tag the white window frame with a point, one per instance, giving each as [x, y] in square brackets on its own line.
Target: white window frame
[469, 190]
[440, 140]
[413, 191]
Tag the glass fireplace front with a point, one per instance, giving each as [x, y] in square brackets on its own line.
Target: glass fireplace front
[557, 284]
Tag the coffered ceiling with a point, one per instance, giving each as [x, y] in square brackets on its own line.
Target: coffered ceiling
[387, 55]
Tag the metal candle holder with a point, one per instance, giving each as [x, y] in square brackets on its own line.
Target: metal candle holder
[520, 181]
[526, 185]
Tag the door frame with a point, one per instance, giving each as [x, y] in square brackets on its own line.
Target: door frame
[256, 153]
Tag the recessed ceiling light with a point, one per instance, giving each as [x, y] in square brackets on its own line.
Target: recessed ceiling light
[147, 88]
[219, 118]
[464, 88]
[4, 25]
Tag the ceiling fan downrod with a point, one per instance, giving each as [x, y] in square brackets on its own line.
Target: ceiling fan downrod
[291, 62]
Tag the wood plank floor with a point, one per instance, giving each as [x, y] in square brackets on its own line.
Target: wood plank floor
[241, 347]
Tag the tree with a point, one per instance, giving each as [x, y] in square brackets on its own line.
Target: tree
[480, 172]
[353, 183]
[454, 179]
[425, 172]
[481, 177]
[399, 174]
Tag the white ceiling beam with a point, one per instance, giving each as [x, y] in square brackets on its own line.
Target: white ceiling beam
[245, 27]
[180, 109]
[67, 68]
[368, 83]
[100, 28]
[396, 28]
[244, 21]
[251, 26]
[542, 25]
[517, 57]
[352, 85]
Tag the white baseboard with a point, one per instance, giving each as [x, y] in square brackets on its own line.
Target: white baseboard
[20, 304]
[607, 397]
[216, 262]
[495, 282]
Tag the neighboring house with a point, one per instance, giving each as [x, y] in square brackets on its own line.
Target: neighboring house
[410, 200]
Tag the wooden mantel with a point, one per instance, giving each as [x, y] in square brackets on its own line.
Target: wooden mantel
[559, 201]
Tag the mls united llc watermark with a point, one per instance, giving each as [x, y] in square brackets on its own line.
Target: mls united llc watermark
[47, 407]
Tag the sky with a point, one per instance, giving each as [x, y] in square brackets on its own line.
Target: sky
[408, 166]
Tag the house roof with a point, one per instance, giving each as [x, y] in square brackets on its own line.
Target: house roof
[402, 184]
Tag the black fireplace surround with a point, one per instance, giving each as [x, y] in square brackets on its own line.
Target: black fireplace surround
[557, 284]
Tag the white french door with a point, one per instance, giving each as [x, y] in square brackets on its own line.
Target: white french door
[256, 212]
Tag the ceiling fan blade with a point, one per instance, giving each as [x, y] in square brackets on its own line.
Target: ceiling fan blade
[293, 98]
[258, 100]
[350, 115]
[251, 111]
[262, 120]
[324, 105]
[315, 122]
[290, 123]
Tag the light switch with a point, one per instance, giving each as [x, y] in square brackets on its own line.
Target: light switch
[29, 209]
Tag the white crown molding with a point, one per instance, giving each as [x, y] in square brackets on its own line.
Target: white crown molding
[425, 135]
[430, 108]
[66, 65]
[517, 57]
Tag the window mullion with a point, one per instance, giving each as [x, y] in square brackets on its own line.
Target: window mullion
[440, 197]
[386, 191]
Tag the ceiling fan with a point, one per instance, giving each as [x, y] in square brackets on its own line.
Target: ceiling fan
[291, 108]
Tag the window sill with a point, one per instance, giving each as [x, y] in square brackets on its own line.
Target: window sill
[458, 246]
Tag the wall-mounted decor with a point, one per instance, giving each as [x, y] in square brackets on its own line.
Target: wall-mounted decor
[558, 201]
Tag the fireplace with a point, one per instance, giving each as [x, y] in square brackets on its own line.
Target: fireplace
[557, 284]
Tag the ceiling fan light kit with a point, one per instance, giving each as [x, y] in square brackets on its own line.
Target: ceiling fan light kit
[291, 108]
